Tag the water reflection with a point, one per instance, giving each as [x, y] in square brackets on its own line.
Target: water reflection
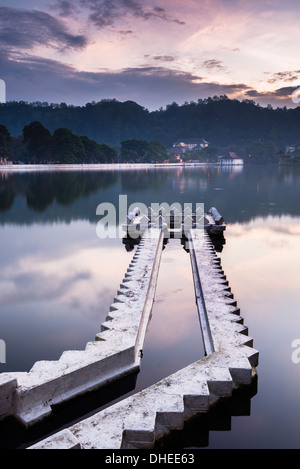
[58, 279]
[200, 432]
[262, 261]
[174, 323]
[53, 291]
[273, 248]
[240, 196]
[42, 188]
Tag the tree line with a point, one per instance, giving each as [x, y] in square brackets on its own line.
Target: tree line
[241, 126]
[220, 120]
[37, 145]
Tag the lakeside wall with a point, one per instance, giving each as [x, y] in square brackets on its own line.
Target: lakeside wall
[98, 166]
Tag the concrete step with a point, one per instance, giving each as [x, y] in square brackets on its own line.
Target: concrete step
[114, 352]
[145, 417]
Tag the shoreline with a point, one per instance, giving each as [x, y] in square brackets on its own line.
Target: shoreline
[79, 166]
[99, 166]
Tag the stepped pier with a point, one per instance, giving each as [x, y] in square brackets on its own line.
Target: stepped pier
[115, 352]
[142, 419]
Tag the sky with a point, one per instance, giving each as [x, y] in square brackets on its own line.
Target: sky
[153, 52]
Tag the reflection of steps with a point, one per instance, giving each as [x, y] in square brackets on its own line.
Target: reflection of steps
[197, 431]
[115, 352]
[144, 418]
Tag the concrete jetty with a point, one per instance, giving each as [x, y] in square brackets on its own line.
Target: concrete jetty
[174, 222]
[142, 419]
[115, 352]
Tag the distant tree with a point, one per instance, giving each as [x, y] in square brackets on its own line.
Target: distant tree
[5, 143]
[134, 150]
[68, 147]
[96, 152]
[142, 152]
[222, 121]
[262, 152]
[18, 149]
[157, 152]
[109, 153]
[209, 153]
[92, 150]
[38, 141]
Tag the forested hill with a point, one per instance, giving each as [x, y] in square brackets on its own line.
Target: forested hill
[220, 120]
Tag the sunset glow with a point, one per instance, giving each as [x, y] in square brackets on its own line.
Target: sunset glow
[153, 53]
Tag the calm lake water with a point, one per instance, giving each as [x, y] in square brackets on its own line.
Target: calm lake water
[58, 279]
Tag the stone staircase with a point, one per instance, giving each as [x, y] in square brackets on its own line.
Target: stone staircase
[115, 352]
[147, 416]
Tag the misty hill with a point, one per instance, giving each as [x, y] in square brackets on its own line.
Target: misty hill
[221, 121]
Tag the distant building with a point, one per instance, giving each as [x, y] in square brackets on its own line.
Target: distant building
[230, 158]
[188, 144]
[291, 155]
[291, 149]
[5, 161]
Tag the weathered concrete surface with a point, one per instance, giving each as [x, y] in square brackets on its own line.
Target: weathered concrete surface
[114, 353]
[140, 420]
[174, 221]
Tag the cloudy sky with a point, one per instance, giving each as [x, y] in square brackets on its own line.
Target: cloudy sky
[153, 52]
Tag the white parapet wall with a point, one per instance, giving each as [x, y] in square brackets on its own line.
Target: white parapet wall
[145, 417]
[115, 352]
